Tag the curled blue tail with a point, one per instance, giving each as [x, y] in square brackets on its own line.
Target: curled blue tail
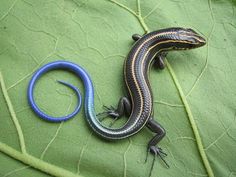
[36, 76]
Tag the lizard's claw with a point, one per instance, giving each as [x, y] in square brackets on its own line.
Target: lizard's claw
[110, 111]
[157, 151]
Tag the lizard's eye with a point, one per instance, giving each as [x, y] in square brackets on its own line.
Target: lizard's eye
[191, 30]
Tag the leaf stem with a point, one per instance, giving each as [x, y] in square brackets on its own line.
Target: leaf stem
[13, 115]
[140, 18]
[138, 7]
[123, 6]
[143, 24]
[192, 121]
[35, 162]
[137, 15]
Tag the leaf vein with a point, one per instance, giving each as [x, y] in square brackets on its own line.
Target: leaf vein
[169, 104]
[205, 65]
[124, 157]
[15, 171]
[58, 129]
[222, 134]
[13, 115]
[8, 11]
[30, 73]
[82, 151]
[151, 11]
[124, 7]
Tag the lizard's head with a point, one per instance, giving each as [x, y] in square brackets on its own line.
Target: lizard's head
[188, 39]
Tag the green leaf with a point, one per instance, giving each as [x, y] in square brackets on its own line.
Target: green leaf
[194, 96]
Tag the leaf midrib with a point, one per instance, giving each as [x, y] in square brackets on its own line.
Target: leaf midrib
[180, 91]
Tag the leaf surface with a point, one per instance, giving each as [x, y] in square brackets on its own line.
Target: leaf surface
[195, 96]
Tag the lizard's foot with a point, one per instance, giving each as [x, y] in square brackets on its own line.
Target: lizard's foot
[109, 112]
[156, 151]
[124, 107]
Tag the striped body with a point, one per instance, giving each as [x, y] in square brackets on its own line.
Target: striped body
[136, 69]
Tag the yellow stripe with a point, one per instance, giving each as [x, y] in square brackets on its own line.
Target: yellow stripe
[162, 42]
[133, 74]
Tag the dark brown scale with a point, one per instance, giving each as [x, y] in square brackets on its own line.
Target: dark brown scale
[152, 46]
